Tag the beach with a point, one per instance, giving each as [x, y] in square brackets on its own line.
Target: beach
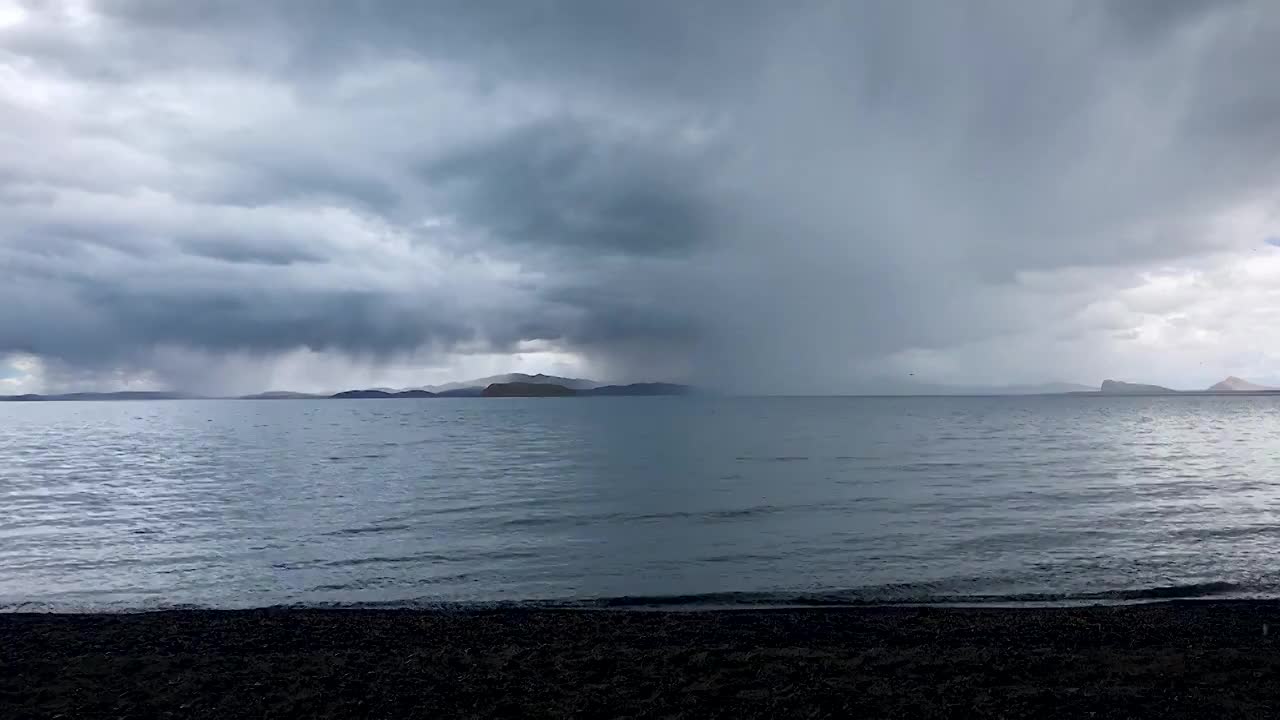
[1170, 660]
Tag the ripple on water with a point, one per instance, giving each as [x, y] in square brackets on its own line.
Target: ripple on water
[219, 503]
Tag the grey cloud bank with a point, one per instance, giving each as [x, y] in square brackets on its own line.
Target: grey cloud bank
[804, 197]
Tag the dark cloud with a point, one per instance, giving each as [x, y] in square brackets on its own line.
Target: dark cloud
[240, 250]
[661, 47]
[788, 195]
[1152, 19]
[97, 324]
[563, 183]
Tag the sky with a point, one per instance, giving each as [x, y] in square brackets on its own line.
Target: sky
[805, 197]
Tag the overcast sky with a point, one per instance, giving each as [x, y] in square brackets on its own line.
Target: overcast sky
[237, 195]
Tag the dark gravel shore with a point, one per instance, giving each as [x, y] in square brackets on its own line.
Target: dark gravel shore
[1179, 660]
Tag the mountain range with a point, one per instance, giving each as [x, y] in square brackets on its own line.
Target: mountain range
[539, 379]
[85, 396]
[524, 385]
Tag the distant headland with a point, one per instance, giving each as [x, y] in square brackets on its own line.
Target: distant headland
[1230, 386]
[508, 385]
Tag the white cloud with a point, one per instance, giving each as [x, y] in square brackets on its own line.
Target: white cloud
[11, 13]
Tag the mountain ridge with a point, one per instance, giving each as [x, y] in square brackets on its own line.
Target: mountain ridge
[1237, 384]
[1119, 387]
[538, 379]
[581, 387]
[100, 396]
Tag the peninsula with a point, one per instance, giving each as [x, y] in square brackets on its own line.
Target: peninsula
[1230, 386]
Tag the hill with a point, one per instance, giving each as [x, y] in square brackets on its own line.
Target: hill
[461, 392]
[99, 397]
[1235, 384]
[381, 395]
[521, 389]
[509, 378]
[539, 386]
[1116, 387]
[280, 395]
[360, 395]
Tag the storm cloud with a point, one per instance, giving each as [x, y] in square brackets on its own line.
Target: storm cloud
[802, 197]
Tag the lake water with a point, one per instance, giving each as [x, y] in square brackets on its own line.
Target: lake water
[617, 501]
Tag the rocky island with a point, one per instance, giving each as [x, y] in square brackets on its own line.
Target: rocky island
[1235, 384]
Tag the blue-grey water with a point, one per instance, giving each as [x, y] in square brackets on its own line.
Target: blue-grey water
[680, 500]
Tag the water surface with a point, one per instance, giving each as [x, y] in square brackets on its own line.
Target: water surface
[131, 505]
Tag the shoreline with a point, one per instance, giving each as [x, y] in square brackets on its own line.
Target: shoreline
[1168, 658]
[480, 608]
[1214, 592]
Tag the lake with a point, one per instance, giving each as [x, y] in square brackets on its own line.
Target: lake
[673, 501]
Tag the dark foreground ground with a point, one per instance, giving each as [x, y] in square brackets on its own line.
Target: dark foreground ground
[1192, 660]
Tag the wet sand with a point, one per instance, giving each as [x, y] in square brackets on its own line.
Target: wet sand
[1176, 660]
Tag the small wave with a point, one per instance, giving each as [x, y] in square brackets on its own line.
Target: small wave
[1192, 590]
[347, 458]
[335, 587]
[742, 513]
[905, 595]
[728, 514]
[1226, 533]
[540, 521]
[705, 515]
[913, 595]
[366, 530]
[740, 557]
[773, 458]
[376, 583]
[387, 560]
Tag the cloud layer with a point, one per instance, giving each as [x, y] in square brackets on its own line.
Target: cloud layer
[808, 197]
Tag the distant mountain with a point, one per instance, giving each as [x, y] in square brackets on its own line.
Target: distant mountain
[280, 395]
[539, 379]
[1235, 384]
[95, 396]
[381, 395]
[524, 389]
[639, 389]
[461, 392]
[1115, 387]
[540, 387]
